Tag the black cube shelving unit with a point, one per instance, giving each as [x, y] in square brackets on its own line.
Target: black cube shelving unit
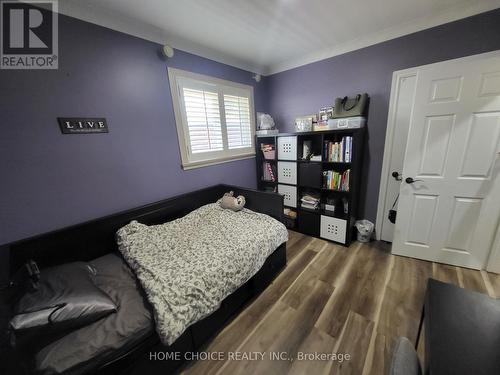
[295, 176]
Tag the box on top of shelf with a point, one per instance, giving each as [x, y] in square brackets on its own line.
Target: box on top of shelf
[341, 123]
[305, 123]
[267, 132]
[347, 123]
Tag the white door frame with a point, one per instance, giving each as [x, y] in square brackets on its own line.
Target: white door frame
[390, 139]
[397, 76]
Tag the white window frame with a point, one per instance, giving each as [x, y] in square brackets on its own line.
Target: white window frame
[195, 160]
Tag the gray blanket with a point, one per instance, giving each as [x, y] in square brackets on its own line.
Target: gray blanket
[189, 265]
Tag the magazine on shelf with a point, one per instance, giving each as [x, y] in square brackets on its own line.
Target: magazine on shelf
[309, 201]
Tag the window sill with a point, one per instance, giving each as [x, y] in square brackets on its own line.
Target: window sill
[206, 163]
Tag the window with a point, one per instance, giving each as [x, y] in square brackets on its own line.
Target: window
[215, 118]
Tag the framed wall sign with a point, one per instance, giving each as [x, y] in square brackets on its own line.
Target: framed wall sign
[78, 125]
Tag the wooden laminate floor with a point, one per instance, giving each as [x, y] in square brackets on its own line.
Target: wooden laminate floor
[332, 299]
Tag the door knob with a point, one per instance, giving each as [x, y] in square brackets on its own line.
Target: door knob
[410, 180]
[396, 176]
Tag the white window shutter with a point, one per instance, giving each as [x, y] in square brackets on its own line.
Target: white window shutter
[214, 118]
[238, 122]
[203, 120]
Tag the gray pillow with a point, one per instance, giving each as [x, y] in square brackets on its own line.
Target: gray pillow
[66, 298]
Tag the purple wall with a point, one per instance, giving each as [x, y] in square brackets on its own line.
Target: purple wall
[304, 90]
[50, 180]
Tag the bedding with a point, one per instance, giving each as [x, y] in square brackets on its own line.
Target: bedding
[91, 346]
[66, 298]
[189, 265]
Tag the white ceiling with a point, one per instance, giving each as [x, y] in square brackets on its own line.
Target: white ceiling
[269, 36]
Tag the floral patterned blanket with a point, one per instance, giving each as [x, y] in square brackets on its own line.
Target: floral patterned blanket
[189, 265]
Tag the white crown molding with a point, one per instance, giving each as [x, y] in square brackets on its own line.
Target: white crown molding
[387, 34]
[115, 21]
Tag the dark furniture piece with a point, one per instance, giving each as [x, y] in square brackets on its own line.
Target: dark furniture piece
[95, 238]
[295, 176]
[462, 331]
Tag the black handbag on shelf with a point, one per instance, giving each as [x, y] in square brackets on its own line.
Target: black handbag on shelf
[350, 107]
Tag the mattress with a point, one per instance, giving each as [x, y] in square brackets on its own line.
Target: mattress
[92, 346]
[189, 265]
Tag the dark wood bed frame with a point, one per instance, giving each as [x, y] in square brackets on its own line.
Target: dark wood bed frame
[95, 238]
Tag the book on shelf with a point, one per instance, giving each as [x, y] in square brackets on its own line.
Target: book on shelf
[348, 149]
[334, 180]
[340, 151]
[310, 202]
[268, 172]
[309, 206]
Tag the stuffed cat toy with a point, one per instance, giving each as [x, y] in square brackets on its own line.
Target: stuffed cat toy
[231, 202]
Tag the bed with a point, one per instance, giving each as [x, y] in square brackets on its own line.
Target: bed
[129, 336]
[97, 343]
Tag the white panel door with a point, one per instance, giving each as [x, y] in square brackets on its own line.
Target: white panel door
[450, 213]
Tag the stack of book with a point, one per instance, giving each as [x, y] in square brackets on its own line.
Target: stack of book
[310, 202]
[268, 172]
[340, 152]
[336, 181]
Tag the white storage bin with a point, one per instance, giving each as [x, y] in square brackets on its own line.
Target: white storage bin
[290, 195]
[346, 123]
[333, 229]
[287, 172]
[287, 148]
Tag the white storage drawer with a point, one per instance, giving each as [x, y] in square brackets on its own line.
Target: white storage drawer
[287, 172]
[290, 194]
[287, 148]
[333, 229]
